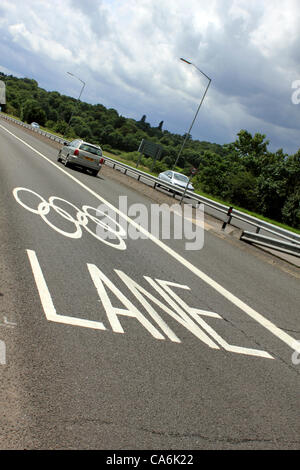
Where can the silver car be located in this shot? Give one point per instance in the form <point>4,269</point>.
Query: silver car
<point>176,179</point>
<point>35,125</point>
<point>82,154</point>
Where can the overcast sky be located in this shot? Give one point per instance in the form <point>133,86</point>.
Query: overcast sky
<point>128,51</point>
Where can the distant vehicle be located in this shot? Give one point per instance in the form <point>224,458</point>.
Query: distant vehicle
<point>35,125</point>
<point>177,179</point>
<point>82,154</point>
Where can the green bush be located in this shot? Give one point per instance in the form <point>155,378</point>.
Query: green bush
<point>107,148</point>
<point>50,124</point>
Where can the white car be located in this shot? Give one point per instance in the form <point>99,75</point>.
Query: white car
<point>176,179</point>
<point>35,125</point>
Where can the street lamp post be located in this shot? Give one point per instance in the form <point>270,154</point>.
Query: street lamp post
<point>188,133</point>
<point>83,85</point>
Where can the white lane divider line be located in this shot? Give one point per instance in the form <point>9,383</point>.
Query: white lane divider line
<point>258,317</point>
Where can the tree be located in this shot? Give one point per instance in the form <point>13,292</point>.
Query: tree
<point>53,115</point>
<point>32,111</point>
<point>251,150</point>
<point>61,127</point>
<point>130,142</point>
<point>121,121</point>
<point>81,128</point>
<point>54,99</point>
<point>142,124</point>
<point>291,208</point>
<point>240,189</point>
<point>66,111</point>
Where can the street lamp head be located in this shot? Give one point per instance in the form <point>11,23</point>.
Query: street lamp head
<point>191,63</point>
<point>184,60</point>
<point>75,76</point>
<point>189,131</point>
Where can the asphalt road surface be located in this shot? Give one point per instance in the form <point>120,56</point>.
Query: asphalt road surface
<point>132,342</point>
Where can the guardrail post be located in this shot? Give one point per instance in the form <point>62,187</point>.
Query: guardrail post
<point>229,214</point>
<point>257,229</point>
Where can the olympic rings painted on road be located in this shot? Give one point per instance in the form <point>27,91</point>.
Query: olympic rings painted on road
<point>104,231</point>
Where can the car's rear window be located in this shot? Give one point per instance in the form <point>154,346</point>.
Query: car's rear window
<point>180,177</point>
<point>91,149</point>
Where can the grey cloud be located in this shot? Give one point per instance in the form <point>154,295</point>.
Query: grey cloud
<point>95,15</point>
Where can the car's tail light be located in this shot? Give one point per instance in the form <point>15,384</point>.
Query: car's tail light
<point>76,152</point>
<point>101,161</point>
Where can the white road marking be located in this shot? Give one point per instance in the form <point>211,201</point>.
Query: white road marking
<point>104,285</point>
<point>81,221</point>
<point>196,314</point>
<point>258,317</point>
<point>99,280</point>
<point>47,303</point>
<point>7,323</point>
<point>94,271</point>
<point>296,357</point>
<point>2,353</point>
<point>177,313</point>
